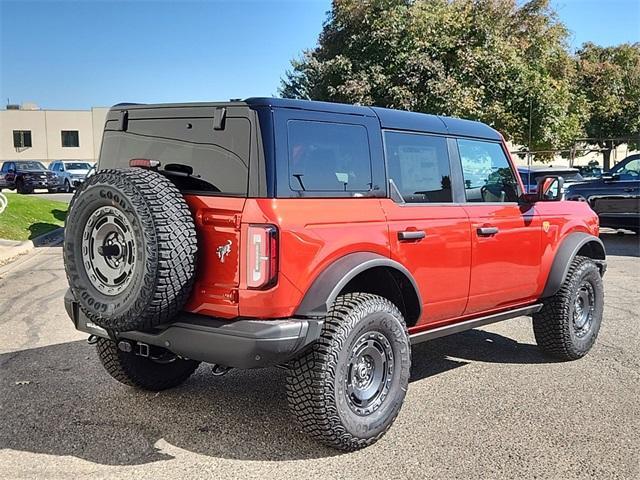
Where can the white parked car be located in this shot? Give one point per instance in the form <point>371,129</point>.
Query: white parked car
<point>74,172</point>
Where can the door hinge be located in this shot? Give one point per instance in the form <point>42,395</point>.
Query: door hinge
<point>233,295</point>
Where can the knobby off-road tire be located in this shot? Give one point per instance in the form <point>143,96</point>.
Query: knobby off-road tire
<point>129,249</point>
<point>142,372</point>
<point>22,189</point>
<point>568,324</point>
<point>327,386</point>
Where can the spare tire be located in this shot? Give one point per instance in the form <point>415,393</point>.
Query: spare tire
<point>129,249</point>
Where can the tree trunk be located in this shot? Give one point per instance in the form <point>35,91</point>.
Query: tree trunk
<point>606,157</point>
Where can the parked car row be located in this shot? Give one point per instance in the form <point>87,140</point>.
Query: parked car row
<point>25,176</point>
<point>613,195</point>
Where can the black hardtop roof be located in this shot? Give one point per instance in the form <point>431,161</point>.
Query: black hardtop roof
<point>389,118</point>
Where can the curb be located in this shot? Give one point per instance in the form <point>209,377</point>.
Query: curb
<point>54,237</point>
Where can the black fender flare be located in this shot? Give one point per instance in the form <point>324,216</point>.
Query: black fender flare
<point>567,251</point>
<point>327,286</point>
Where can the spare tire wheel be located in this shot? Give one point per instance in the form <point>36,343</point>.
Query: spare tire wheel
<point>129,249</point>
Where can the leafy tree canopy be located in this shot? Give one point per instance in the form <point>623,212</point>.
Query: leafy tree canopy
<point>609,79</point>
<point>497,61</point>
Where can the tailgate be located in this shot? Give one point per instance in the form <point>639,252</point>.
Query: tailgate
<point>218,221</point>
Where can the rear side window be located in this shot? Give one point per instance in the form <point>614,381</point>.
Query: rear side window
<point>419,166</point>
<point>328,157</point>
<point>191,153</point>
<point>488,176</point>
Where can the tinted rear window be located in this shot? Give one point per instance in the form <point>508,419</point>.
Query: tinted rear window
<point>219,158</point>
<point>328,157</point>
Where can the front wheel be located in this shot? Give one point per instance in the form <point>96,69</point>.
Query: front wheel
<point>22,189</point>
<point>66,187</point>
<point>158,371</point>
<point>347,390</point>
<point>569,322</point>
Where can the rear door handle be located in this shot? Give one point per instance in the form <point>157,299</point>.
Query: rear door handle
<point>487,231</point>
<point>408,235</point>
<point>629,189</point>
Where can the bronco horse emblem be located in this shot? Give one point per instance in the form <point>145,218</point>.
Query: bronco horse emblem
<point>224,250</point>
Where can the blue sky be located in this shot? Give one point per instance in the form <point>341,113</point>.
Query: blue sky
<point>78,54</point>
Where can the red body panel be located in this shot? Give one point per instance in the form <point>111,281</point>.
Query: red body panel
<point>218,225</point>
<point>459,273</point>
<point>503,265</point>
<point>441,262</point>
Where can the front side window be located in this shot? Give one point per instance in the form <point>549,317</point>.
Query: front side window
<point>22,138</point>
<point>419,167</point>
<point>488,176</point>
<point>70,138</point>
<point>328,157</point>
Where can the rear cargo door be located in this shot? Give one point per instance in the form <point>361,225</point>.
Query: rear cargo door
<point>205,151</point>
<point>218,276</point>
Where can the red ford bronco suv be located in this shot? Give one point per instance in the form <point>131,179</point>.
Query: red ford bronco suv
<point>325,238</point>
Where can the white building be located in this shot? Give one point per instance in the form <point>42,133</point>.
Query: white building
<point>28,133</point>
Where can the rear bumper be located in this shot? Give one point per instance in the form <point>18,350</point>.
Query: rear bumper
<point>239,343</point>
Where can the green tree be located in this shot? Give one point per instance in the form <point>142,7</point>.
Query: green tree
<point>490,60</point>
<point>609,78</point>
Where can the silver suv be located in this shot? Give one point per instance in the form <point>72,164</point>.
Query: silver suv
<point>73,172</point>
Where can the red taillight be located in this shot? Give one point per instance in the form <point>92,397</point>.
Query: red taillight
<point>143,162</point>
<point>262,256</point>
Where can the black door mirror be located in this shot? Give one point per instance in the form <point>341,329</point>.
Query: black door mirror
<point>11,170</point>
<point>550,188</point>
<point>610,177</point>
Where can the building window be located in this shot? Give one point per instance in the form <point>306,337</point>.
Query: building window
<point>70,138</point>
<point>21,138</point>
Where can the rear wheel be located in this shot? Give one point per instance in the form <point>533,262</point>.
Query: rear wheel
<point>569,322</point>
<point>159,371</point>
<point>347,390</point>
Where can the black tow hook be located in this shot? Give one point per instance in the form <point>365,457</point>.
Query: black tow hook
<point>219,370</point>
<point>92,340</point>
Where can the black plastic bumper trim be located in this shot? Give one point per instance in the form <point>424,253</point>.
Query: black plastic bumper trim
<point>238,343</point>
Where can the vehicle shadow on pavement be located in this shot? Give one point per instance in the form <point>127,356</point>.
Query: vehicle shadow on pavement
<point>70,406</point>
<point>58,400</point>
<point>621,244</point>
<point>40,228</point>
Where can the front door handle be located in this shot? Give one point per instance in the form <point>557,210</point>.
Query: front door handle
<point>487,231</point>
<point>409,235</point>
<point>629,189</point>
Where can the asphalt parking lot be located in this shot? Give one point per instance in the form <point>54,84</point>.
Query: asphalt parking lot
<point>481,404</point>
<point>60,197</point>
